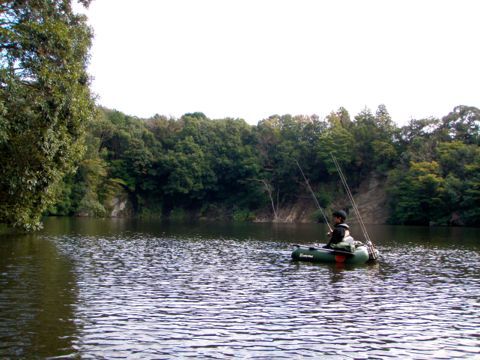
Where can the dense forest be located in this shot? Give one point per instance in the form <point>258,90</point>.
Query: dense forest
<point>228,168</point>
<point>62,155</point>
<point>45,103</point>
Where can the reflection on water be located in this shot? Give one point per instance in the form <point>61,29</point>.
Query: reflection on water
<point>105,289</point>
<point>37,294</point>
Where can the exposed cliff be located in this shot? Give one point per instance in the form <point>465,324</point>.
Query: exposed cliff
<point>370,197</point>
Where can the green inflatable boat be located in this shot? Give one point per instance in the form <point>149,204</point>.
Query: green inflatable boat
<point>314,254</point>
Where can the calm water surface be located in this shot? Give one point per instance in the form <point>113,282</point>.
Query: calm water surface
<point>126,289</point>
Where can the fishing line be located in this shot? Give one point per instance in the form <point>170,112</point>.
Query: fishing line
<point>371,249</point>
<point>314,197</point>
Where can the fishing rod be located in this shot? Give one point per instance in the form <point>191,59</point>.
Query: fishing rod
<point>371,249</point>
<point>314,197</point>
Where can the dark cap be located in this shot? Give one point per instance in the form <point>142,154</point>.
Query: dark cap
<point>341,214</point>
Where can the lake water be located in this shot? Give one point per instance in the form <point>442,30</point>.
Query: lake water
<point>85,288</point>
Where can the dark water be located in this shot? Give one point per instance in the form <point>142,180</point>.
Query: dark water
<point>122,289</point>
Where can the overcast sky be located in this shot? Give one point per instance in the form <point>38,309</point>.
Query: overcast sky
<point>254,58</point>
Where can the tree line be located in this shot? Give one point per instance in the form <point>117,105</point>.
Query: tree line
<point>230,168</point>
<point>62,155</point>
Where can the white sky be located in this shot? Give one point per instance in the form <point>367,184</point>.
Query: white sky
<point>254,58</point>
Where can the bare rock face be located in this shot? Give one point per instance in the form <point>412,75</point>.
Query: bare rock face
<point>370,197</point>
<point>456,220</point>
<point>120,206</point>
<point>299,212</point>
<point>371,200</point>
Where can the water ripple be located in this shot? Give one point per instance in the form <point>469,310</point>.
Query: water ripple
<point>177,297</point>
<point>157,295</point>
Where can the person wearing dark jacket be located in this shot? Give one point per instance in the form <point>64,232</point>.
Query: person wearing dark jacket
<point>340,229</point>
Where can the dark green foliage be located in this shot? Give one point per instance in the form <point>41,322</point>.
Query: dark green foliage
<point>227,168</point>
<point>417,193</point>
<point>438,179</point>
<point>462,124</point>
<point>195,165</point>
<point>44,104</point>
<point>375,145</point>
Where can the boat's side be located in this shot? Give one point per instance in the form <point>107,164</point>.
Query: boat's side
<point>360,256</point>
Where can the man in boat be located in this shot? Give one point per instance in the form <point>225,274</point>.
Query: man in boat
<point>340,229</point>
